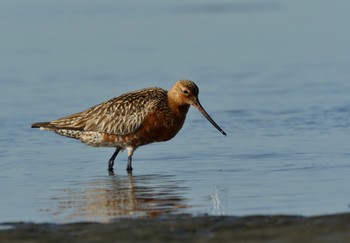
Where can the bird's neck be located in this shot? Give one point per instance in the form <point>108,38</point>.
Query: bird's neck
<point>177,106</point>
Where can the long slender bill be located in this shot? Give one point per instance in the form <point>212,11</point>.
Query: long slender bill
<point>199,107</point>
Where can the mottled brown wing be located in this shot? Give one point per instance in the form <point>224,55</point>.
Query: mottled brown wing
<point>120,115</point>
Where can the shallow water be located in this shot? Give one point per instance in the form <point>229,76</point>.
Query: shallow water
<point>272,75</point>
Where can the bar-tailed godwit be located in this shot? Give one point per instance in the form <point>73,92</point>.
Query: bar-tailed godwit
<point>131,120</point>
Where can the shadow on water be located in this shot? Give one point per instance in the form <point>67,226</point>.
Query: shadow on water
<point>106,198</point>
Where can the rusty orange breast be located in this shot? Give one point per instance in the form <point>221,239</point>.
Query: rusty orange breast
<point>156,127</point>
<point>159,127</point>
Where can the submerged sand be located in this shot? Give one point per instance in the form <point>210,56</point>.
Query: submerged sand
<point>278,228</point>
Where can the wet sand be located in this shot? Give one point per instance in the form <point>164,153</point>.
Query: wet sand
<point>278,228</point>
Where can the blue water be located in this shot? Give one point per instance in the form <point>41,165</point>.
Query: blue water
<point>274,75</point>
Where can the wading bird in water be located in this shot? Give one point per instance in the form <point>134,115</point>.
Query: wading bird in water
<point>131,120</point>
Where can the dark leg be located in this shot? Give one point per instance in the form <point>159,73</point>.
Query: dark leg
<point>130,153</point>
<point>111,160</point>
<point>129,167</point>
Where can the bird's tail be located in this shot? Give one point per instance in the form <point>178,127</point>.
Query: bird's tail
<point>67,132</point>
<point>44,126</point>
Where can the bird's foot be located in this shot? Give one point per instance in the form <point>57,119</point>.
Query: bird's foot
<point>111,172</point>
<point>110,167</point>
<point>129,169</point>
<point>110,164</point>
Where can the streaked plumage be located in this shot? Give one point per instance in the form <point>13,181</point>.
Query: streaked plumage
<point>132,119</point>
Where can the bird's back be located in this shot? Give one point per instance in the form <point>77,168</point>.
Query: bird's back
<point>120,115</point>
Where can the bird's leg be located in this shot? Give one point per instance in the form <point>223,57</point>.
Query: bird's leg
<point>129,167</point>
<point>130,153</point>
<point>111,160</point>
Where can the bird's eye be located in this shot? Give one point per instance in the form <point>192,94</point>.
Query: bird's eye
<point>186,92</point>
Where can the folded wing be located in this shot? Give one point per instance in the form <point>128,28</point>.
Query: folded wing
<point>121,115</point>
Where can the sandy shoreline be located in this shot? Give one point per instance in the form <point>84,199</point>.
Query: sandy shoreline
<point>277,228</point>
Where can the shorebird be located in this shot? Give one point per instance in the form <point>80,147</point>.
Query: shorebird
<point>131,120</point>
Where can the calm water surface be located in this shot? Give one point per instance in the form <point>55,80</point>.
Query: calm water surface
<point>273,75</point>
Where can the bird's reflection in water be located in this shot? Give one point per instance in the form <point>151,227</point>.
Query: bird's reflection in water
<point>107,198</point>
